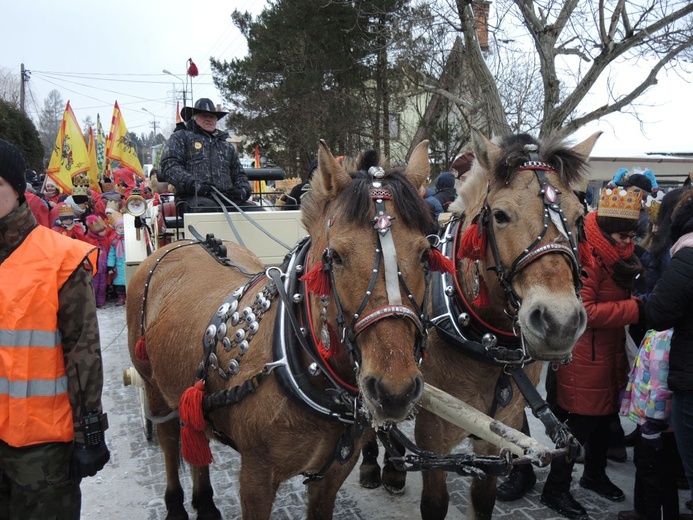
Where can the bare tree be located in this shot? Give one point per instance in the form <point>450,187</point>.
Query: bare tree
<point>49,121</point>
<point>544,57</point>
<point>10,86</point>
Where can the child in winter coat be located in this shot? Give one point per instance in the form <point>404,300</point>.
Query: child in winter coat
<point>116,261</point>
<point>100,235</point>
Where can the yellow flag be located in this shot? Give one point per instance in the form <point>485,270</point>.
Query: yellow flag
<point>93,163</point>
<point>69,156</point>
<point>119,147</point>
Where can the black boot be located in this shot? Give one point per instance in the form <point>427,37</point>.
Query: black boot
<point>563,502</point>
<point>603,487</point>
<point>520,480</point>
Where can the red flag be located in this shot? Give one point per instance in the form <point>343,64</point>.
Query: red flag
<point>257,156</point>
<point>192,68</point>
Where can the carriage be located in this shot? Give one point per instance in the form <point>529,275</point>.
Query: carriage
<point>387,315</point>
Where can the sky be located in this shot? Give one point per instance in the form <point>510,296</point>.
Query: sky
<point>96,53</point>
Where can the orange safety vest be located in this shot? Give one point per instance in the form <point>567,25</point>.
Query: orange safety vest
<point>34,404</point>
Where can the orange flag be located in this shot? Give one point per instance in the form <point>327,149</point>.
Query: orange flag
<point>93,163</point>
<point>70,156</point>
<point>178,118</point>
<point>119,147</point>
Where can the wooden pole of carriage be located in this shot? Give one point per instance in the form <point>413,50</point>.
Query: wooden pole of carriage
<point>469,418</point>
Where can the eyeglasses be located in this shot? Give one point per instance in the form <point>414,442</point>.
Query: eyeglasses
<point>627,236</point>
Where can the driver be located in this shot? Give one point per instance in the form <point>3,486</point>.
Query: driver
<point>199,158</point>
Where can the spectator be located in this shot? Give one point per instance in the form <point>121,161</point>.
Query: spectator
<point>51,193</point>
<point>199,160</point>
<point>66,223</point>
<point>589,388</point>
<point>116,260</point>
<point>100,235</point>
<point>670,305</point>
<point>47,301</point>
<point>294,197</point>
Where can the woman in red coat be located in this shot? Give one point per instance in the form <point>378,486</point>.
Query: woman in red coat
<point>589,388</point>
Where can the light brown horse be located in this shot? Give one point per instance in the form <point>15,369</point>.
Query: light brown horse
<point>514,297</point>
<point>305,366</point>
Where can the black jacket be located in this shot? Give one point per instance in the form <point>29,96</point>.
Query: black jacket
<point>194,154</point>
<point>671,305</point>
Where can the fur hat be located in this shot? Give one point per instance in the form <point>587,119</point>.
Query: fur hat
<point>12,167</point>
<point>620,203</point>
<point>201,105</point>
<point>462,164</point>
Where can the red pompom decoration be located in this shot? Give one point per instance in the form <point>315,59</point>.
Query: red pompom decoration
<point>194,442</point>
<point>317,280</point>
<point>192,69</point>
<point>473,243</point>
<point>141,350</point>
<point>437,261</point>
<point>482,299</point>
<point>334,345</point>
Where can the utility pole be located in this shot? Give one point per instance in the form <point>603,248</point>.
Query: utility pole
<point>22,90</point>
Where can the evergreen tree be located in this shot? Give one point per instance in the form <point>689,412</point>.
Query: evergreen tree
<point>17,128</point>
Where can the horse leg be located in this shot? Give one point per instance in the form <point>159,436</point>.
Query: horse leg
<point>202,498</point>
<point>369,471</point>
<point>430,432</point>
<point>394,479</point>
<point>483,490</point>
<point>258,487</point>
<point>322,494</point>
<point>168,434</point>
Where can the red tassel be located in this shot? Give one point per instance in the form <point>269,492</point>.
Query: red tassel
<point>482,299</point>
<point>437,261</point>
<point>141,350</point>
<point>473,243</point>
<point>194,441</point>
<point>192,68</point>
<point>585,255</point>
<point>317,280</point>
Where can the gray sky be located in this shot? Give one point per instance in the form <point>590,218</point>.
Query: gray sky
<point>97,52</point>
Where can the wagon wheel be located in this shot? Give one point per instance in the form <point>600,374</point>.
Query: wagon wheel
<point>146,423</point>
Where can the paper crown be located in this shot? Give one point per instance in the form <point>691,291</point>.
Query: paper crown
<point>81,185</point>
<point>619,203</point>
<point>653,203</point>
<point>95,223</point>
<point>66,211</point>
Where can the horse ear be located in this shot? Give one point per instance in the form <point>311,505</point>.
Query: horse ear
<point>334,176</point>
<point>419,167</point>
<point>584,149</point>
<point>486,151</point>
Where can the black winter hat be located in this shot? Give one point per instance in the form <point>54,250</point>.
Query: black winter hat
<point>12,167</point>
<point>201,105</point>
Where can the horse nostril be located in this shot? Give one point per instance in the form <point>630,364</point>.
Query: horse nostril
<point>417,385</point>
<point>370,386</point>
<point>537,321</point>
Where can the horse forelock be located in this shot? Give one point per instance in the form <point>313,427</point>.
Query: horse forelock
<point>568,165</point>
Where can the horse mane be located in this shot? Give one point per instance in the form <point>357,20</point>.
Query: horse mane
<point>570,166</point>
<point>355,202</point>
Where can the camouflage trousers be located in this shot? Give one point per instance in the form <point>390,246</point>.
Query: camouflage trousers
<point>35,483</point>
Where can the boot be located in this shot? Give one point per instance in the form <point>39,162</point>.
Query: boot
<point>617,453</point>
<point>520,480</point>
<point>563,503</point>
<point>630,515</point>
<point>603,487</point>
<point>630,438</point>
<point>121,300</point>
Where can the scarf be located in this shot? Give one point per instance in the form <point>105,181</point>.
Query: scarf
<point>14,228</point>
<point>119,242</point>
<point>607,251</point>
<point>684,241</point>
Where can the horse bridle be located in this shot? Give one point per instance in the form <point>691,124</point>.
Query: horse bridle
<point>385,249</point>
<point>551,199</point>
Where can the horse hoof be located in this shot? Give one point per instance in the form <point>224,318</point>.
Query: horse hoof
<point>394,480</point>
<point>369,476</point>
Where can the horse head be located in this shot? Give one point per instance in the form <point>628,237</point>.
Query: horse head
<point>522,227</point>
<point>368,228</point>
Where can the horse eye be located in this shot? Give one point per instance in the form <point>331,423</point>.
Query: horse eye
<point>425,255</point>
<point>501,217</point>
<point>336,259</point>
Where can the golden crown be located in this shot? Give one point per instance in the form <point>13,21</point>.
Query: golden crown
<point>66,211</point>
<point>81,185</point>
<point>620,203</point>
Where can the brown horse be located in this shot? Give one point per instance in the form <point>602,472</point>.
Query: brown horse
<point>514,297</point>
<point>306,365</point>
